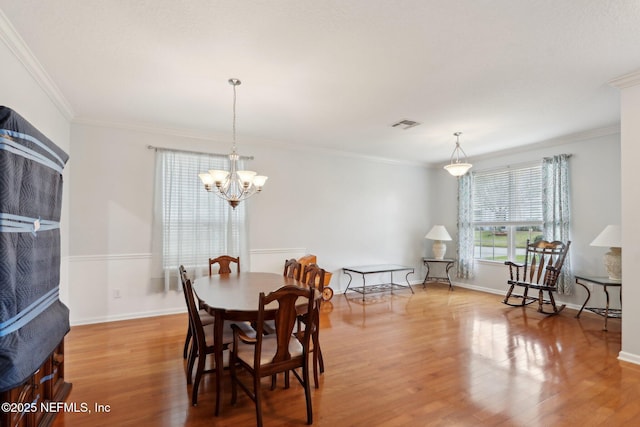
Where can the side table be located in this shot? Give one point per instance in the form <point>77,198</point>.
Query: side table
<point>448,265</point>
<point>606,312</point>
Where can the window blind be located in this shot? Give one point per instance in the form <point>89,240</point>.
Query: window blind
<point>508,196</point>
<point>196,224</point>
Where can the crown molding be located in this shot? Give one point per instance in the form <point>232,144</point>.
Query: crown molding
<point>565,139</point>
<point>628,80</point>
<point>9,35</point>
<point>183,133</point>
<point>148,128</point>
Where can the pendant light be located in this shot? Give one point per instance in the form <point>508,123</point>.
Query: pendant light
<point>455,166</point>
<point>233,185</point>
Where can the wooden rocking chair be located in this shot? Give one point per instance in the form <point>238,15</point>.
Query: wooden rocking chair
<point>541,270</point>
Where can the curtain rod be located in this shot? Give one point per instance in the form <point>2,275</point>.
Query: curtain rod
<point>175,150</point>
<point>518,165</point>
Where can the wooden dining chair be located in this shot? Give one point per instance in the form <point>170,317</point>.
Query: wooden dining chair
<point>540,271</point>
<point>292,268</point>
<point>224,264</point>
<point>202,346</point>
<point>312,276</point>
<point>267,355</point>
<point>205,317</point>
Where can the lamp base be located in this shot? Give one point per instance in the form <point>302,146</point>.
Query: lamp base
<point>439,248</point>
<point>613,263</point>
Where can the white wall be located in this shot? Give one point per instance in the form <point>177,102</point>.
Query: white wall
<point>373,220</point>
<point>345,210</point>
<point>23,92</point>
<point>595,203</point>
<point>630,123</point>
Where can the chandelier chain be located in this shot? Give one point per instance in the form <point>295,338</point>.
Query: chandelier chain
<point>234,116</point>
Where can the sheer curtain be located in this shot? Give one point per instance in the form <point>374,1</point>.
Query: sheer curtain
<point>465,249</point>
<point>192,225</point>
<point>556,210</point>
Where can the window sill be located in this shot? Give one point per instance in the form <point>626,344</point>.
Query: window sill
<point>489,262</point>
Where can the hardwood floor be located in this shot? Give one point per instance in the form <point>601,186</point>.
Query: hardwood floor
<point>436,358</point>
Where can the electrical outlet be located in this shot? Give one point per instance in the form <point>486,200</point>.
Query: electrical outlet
<point>116,293</point>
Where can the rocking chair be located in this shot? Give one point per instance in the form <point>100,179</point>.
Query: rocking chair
<point>541,270</point>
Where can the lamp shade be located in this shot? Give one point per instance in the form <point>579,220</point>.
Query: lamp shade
<point>438,232</point>
<point>458,169</point>
<point>611,237</point>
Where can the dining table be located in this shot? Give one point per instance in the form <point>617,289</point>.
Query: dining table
<point>235,297</point>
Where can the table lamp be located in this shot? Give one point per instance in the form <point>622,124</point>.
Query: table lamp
<point>611,237</point>
<point>438,233</point>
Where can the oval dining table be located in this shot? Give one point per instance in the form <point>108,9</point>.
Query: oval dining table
<point>235,297</point>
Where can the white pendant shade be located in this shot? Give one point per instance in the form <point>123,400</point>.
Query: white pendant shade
<point>455,166</point>
<point>458,169</point>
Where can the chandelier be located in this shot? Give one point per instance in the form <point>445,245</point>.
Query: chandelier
<point>233,185</point>
<point>456,167</point>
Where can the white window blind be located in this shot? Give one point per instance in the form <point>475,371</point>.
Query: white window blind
<point>508,196</point>
<point>194,224</point>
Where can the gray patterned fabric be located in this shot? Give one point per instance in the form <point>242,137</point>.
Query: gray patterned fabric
<point>464,248</point>
<point>32,319</point>
<point>556,211</point>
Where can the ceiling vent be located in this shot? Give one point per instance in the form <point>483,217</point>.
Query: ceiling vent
<point>405,124</point>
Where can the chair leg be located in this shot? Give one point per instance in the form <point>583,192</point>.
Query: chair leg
<point>525,294</point>
<point>307,393</point>
<point>540,302</point>
<point>320,359</point>
<point>186,344</point>
<point>232,371</point>
<point>552,302</point>
<point>257,394</point>
<point>508,295</point>
<point>196,383</point>
<point>193,354</point>
<point>316,381</point>
<point>316,358</point>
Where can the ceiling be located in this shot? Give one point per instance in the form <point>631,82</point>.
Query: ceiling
<point>335,75</point>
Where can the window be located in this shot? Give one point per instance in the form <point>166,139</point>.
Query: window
<point>191,224</point>
<point>507,211</point>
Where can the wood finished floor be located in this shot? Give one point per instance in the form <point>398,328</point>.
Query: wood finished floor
<point>436,358</point>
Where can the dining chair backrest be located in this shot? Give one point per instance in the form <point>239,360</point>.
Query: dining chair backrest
<point>313,275</point>
<point>293,269</point>
<point>287,297</point>
<point>282,351</point>
<point>192,306</point>
<point>224,264</point>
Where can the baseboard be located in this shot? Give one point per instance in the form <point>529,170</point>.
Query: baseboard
<point>128,316</point>
<point>629,357</point>
<point>501,292</point>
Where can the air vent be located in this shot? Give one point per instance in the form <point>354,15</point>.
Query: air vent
<point>405,124</point>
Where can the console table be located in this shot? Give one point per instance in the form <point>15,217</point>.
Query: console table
<point>448,265</point>
<point>374,269</point>
<point>606,312</point>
